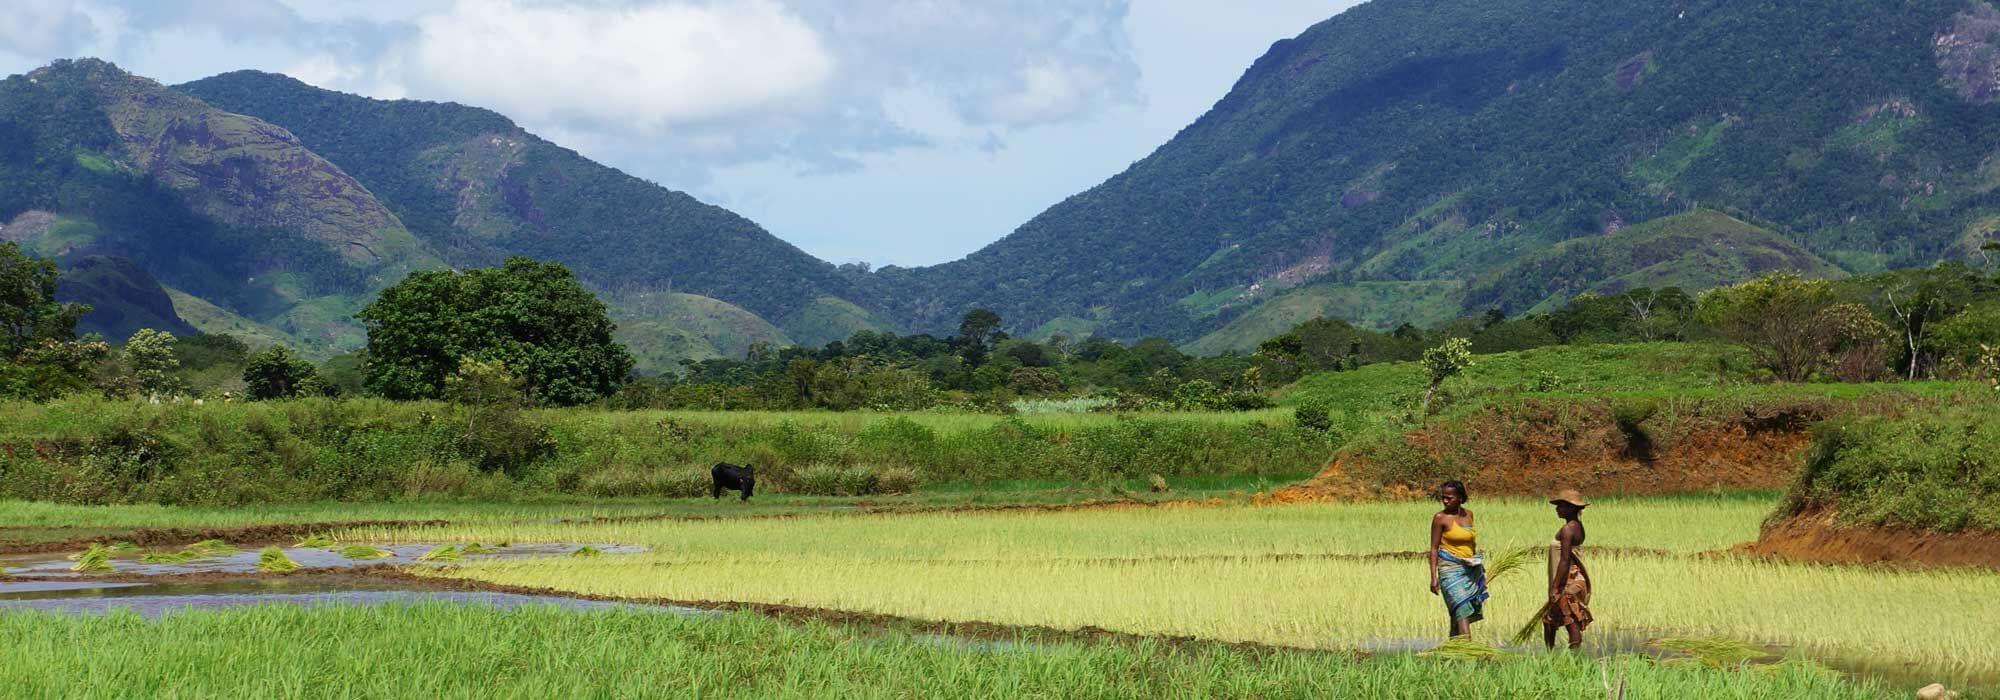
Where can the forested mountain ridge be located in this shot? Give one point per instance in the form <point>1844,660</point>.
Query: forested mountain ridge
<point>477,188</point>
<point>1446,142</point>
<point>290,224</point>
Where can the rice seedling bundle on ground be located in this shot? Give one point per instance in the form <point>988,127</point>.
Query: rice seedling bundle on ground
<point>273,560</point>
<point>94,559</point>
<point>364,551</point>
<point>316,540</point>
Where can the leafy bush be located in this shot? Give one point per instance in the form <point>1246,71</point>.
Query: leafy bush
<point>1937,470</point>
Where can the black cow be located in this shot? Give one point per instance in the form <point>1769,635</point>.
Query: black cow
<point>733,478</point>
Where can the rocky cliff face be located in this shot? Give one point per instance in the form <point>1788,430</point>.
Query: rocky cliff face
<point>236,169</point>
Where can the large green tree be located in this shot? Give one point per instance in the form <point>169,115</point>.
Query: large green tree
<point>533,317</point>
<point>29,312</point>
<point>40,357</point>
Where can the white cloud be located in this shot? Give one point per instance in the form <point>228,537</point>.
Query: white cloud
<point>36,27</point>
<point>641,68</point>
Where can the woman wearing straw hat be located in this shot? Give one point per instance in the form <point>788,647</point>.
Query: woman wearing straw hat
<point>1569,581</point>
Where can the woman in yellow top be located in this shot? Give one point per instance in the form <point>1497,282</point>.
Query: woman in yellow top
<point>1457,573</point>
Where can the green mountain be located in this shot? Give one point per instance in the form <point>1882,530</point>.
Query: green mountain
<point>275,209</point>
<point>475,187</point>
<point>1500,152</point>
<point>123,298</point>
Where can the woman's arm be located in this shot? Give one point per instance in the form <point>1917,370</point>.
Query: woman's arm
<point>1437,538</point>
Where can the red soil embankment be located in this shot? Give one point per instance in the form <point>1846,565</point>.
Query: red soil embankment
<point>1533,448</point>
<point>1816,537</point>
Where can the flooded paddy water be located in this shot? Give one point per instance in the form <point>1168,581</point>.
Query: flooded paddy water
<point>46,582</point>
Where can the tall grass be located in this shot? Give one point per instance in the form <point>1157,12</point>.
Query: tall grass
<point>91,451</point>
<point>432,651</point>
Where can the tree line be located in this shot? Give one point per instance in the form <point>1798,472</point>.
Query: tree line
<point>528,333</point>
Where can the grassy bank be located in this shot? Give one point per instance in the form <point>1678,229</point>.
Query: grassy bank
<point>1937,471</point>
<point>93,451</point>
<point>453,651</point>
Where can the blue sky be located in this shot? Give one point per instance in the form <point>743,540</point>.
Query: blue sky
<point>905,132</point>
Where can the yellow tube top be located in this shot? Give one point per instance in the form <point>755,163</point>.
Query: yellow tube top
<point>1461,542</point>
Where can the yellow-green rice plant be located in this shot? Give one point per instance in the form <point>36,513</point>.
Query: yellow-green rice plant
<point>315,540</point>
<point>95,559</point>
<point>365,551</point>
<point>272,560</point>
<point>443,552</point>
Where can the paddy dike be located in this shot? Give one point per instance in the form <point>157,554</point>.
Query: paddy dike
<point>1818,537</point>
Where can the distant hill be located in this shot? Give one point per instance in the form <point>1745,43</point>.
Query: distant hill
<point>1458,144</point>
<point>122,297</point>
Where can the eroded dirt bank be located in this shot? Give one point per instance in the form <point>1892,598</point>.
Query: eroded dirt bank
<point>1532,448</point>
<point>1816,537</point>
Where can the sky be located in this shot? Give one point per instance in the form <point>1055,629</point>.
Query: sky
<point>905,132</point>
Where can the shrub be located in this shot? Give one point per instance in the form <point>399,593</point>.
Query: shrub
<point>897,480</point>
<point>1314,415</point>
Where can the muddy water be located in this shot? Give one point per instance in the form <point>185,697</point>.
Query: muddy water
<point>156,599</point>
<point>245,560</point>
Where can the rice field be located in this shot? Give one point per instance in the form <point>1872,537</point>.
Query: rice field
<point>1316,576</point>
<point>446,651</point>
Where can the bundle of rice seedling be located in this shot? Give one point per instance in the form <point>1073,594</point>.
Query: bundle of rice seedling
<point>1533,625</point>
<point>474,548</point>
<point>1463,649</point>
<point>443,552</point>
<point>314,540</point>
<point>1510,560</point>
<point>209,548</point>
<point>96,558</point>
<point>587,551</point>
<point>166,558</point>
<point>273,560</point>
<point>123,548</point>
<point>365,551</point>
<point>1718,652</point>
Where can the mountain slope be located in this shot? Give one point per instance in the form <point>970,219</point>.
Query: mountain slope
<point>122,298</point>
<point>97,161</point>
<point>477,187</point>
<point>1448,141</point>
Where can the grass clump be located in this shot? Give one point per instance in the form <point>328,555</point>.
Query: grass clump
<point>365,551</point>
<point>474,548</point>
<point>272,560</point>
<point>587,551</point>
<point>94,559</point>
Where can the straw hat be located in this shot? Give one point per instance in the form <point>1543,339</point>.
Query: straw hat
<point>1571,497</point>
